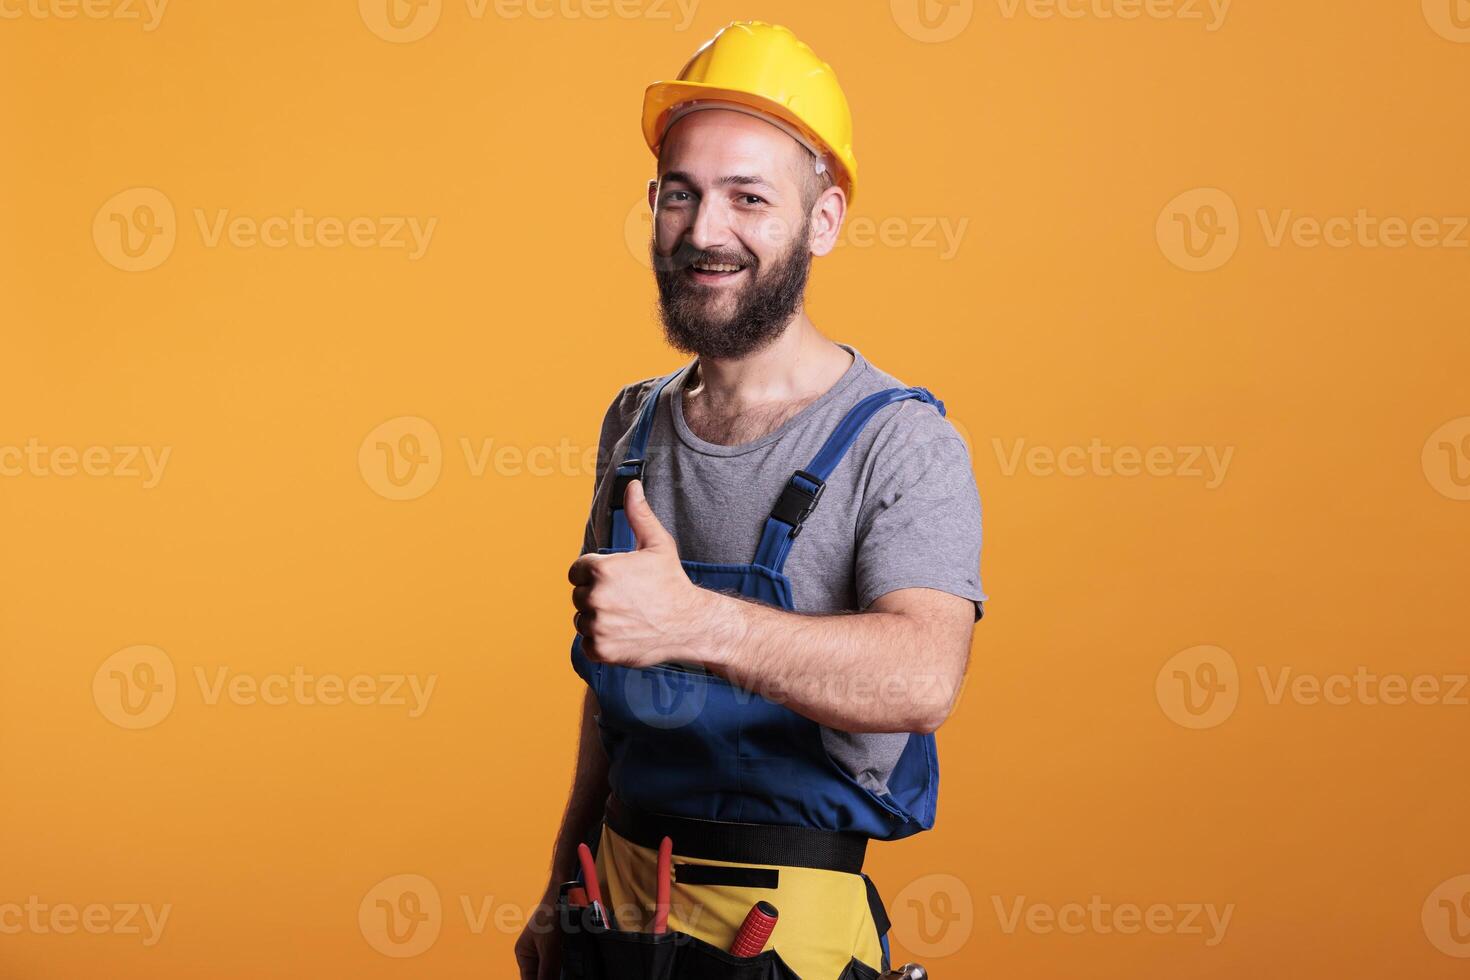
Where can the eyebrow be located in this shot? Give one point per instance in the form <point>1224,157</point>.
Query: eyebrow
<point>734,180</point>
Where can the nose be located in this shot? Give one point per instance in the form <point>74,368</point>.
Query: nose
<point>711,228</point>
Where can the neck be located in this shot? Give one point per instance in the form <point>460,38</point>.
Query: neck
<point>797,364</point>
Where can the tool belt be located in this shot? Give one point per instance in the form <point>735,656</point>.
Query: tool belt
<point>594,948</point>
<point>594,952</point>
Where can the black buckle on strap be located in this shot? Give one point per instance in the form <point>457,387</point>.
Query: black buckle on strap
<point>796,502</point>
<point>621,480</point>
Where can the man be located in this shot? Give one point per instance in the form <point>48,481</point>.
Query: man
<point>773,626</point>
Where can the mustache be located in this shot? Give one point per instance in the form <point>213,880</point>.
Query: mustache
<point>686,255</point>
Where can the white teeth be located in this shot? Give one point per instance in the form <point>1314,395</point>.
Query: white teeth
<point>716,267</point>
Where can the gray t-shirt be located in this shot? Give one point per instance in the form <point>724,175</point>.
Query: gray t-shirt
<point>900,511</point>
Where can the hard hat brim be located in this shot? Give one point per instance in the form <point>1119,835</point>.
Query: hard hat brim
<point>661,97</point>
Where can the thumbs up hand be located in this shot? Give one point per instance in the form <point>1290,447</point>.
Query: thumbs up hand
<point>637,608</point>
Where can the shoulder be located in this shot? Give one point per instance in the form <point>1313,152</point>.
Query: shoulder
<point>910,423</point>
<point>623,411</point>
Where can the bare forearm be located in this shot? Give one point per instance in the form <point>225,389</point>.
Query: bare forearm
<point>587,797</point>
<point>873,671</point>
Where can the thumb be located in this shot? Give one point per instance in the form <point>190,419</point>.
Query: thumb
<point>647,531</point>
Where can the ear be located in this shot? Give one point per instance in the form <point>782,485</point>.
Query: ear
<point>652,193</point>
<point>828,212</point>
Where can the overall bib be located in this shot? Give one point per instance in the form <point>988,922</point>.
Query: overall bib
<point>696,757</point>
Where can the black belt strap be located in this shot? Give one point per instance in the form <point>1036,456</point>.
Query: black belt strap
<point>747,843</point>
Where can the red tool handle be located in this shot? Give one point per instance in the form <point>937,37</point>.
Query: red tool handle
<point>755,930</point>
<point>665,867</point>
<point>589,873</point>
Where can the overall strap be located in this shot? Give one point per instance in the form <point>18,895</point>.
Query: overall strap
<point>800,495</point>
<point>631,468</point>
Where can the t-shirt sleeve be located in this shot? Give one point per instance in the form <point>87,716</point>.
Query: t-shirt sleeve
<point>919,523</point>
<point>616,422</point>
<point>607,436</point>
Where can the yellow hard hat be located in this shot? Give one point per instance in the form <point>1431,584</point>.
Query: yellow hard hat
<point>752,65</point>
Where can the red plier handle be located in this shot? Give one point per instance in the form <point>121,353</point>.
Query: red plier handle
<point>665,876</point>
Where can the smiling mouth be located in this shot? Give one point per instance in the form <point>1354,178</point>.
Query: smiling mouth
<point>712,272</point>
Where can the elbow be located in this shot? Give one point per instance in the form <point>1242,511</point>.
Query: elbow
<point>934,710</point>
<point>928,723</point>
<point>931,715</point>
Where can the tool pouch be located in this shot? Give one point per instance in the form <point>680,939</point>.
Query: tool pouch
<point>594,952</point>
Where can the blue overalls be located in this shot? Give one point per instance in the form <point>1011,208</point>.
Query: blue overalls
<point>692,744</point>
<point>689,744</point>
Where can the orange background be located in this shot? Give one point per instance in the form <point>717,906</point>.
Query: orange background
<point>1334,541</point>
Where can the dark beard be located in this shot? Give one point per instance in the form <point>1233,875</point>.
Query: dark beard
<point>763,307</point>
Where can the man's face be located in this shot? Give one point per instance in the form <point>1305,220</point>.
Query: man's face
<point>731,232</point>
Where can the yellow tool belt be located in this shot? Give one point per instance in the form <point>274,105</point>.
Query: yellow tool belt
<point>826,921</point>
<point>828,927</point>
